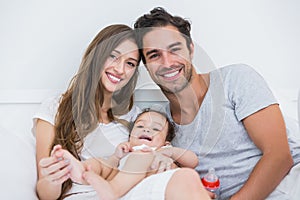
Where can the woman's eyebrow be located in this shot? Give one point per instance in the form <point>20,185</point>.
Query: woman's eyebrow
<point>118,52</point>
<point>133,59</point>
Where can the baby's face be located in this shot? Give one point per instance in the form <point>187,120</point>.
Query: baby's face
<point>151,129</point>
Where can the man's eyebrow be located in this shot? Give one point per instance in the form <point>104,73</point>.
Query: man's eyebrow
<point>169,47</point>
<point>174,44</point>
<point>152,51</point>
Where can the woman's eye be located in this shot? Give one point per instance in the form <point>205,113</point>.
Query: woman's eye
<point>114,57</point>
<point>131,64</point>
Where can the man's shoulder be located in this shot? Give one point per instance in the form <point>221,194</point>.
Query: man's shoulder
<point>235,68</point>
<point>232,72</point>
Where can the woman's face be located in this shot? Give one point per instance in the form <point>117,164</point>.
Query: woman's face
<point>151,129</point>
<point>120,66</point>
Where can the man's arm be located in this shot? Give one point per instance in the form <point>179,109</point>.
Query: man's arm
<point>184,157</point>
<point>267,130</point>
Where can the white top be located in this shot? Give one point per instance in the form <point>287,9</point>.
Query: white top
<point>99,143</point>
<point>102,141</point>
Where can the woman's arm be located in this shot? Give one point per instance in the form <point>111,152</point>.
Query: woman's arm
<point>267,130</point>
<point>52,172</point>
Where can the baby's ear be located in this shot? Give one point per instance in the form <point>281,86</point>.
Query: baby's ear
<point>167,143</point>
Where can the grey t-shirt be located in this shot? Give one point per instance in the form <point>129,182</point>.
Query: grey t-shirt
<point>217,134</point>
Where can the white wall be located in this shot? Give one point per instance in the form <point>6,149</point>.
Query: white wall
<point>41,42</point>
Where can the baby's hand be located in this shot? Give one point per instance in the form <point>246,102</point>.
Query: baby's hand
<point>122,150</point>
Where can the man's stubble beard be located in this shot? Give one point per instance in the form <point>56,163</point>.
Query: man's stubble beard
<point>180,87</point>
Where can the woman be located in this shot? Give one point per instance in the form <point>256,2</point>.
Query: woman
<point>88,120</point>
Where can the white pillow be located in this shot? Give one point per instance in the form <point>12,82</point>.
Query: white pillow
<point>299,108</point>
<point>18,166</point>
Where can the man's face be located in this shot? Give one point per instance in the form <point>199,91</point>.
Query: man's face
<point>168,59</point>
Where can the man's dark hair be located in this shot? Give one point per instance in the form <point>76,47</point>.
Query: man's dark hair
<point>159,17</point>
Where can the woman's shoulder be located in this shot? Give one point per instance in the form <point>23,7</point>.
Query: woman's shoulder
<point>51,103</point>
<point>48,109</point>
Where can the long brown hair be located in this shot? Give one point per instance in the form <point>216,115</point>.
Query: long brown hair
<point>79,109</point>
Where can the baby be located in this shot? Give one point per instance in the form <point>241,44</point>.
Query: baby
<point>150,133</point>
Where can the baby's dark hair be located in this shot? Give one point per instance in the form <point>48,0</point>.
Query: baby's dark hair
<point>171,125</point>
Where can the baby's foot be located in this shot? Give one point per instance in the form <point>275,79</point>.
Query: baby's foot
<point>76,167</point>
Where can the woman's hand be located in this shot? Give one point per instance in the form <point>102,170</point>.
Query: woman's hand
<point>76,167</point>
<point>55,169</point>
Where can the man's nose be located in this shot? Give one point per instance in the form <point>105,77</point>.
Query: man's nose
<point>166,59</point>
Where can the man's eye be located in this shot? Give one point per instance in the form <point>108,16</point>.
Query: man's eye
<point>175,49</point>
<point>153,56</point>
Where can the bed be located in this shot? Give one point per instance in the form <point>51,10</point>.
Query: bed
<point>18,169</point>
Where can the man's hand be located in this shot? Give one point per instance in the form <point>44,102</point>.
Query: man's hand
<point>161,162</point>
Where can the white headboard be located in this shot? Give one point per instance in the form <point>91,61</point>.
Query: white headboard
<point>18,106</point>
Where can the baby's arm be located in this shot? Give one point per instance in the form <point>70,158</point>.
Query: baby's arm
<point>185,158</point>
<point>108,168</point>
<point>133,171</point>
<point>122,150</point>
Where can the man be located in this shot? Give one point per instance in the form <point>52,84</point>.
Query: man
<point>228,117</point>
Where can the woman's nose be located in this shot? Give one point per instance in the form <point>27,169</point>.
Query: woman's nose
<point>119,67</point>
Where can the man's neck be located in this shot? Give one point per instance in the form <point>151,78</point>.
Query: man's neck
<point>184,105</point>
